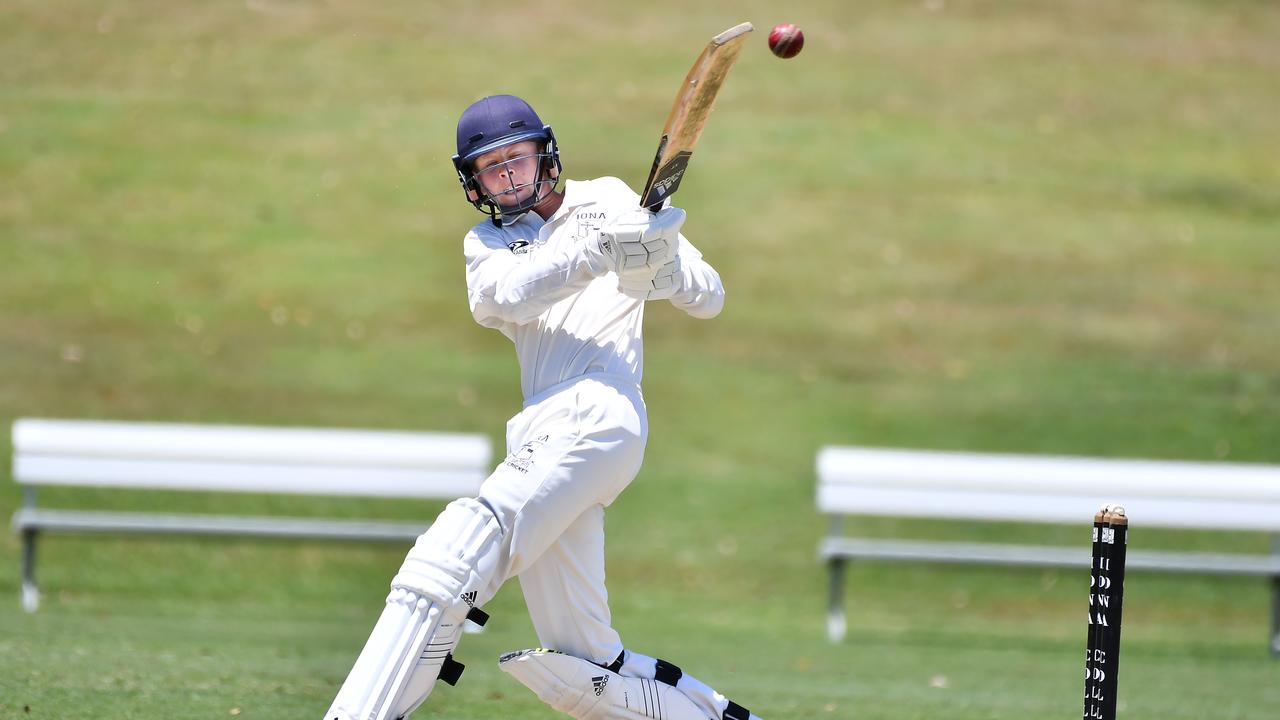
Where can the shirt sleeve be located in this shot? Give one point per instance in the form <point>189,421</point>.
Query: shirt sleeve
<point>505,287</point>
<point>701,292</point>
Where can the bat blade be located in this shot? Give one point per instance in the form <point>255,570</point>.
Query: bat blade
<point>689,114</point>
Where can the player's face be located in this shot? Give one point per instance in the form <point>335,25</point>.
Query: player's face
<point>507,174</point>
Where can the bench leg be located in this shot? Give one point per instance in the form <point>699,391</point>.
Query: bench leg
<point>30,593</point>
<point>836,625</point>
<point>1275,616</point>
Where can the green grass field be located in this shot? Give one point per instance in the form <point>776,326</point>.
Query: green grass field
<point>1048,227</point>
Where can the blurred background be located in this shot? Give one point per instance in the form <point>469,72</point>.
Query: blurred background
<point>1041,227</point>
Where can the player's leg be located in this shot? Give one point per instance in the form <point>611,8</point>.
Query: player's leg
<point>572,452</point>
<point>451,566</point>
<point>565,593</point>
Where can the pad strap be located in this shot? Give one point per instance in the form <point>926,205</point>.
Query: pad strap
<point>616,665</point>
<point>667,673</point>
<point>451,670</point>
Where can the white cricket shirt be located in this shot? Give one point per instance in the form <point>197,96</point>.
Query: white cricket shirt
<point>567,319</point>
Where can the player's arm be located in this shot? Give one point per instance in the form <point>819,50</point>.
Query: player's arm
<point>506,287</point>
<point>688,282</point>
<point>701,293</point>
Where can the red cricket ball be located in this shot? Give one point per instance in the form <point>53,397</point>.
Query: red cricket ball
<point>786,40</point>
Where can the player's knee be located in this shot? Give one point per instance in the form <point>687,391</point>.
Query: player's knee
<point>457,557</point>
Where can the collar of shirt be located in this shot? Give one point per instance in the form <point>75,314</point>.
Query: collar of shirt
<point>576,194</point>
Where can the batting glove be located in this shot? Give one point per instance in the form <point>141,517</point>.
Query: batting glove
<point>658,284</point>
<point>637,241</point>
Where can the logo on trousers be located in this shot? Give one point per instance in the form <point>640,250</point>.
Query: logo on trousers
<point>522,459</point>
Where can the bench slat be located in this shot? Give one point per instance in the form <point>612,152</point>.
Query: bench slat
<point>962,503</point>
<point>151,523</point>
<point>317,446</point>
<point>1044,556</point>
<point>363,481</point>
<point>1034,474</point>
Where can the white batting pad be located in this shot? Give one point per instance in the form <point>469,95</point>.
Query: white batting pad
<point>442,577</point>
<point>425,672</point>
<point>711,702</point>
<point>587,691</point>
<point>380,670</point>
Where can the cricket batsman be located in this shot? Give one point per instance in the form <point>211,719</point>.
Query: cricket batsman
<point>565,274</point>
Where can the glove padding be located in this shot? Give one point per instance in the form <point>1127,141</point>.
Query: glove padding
<point>637,240</point>
<point>652,284</point>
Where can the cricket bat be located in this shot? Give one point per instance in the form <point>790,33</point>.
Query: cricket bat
<point>689,114</point>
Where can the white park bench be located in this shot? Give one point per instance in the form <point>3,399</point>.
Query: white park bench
<point>227,458</point>
<point>1011,488</point>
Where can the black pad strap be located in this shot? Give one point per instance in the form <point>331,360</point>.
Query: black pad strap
<point>451,670</point>
<point>667,673</point>
<point>478,616</point>
<point>616,665</point>
<point>736,712</point>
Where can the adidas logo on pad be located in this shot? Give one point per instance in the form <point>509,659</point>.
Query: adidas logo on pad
<point>469,598</point>
<point>599,682</point>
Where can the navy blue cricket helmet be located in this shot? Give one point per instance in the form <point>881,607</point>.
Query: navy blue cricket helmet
<point>492,123</point>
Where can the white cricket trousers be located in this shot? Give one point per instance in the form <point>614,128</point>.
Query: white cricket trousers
<point>571,451</point>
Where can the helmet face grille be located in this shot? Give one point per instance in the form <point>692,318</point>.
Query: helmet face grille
<point>498,188</point>
<point>545,180</point>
